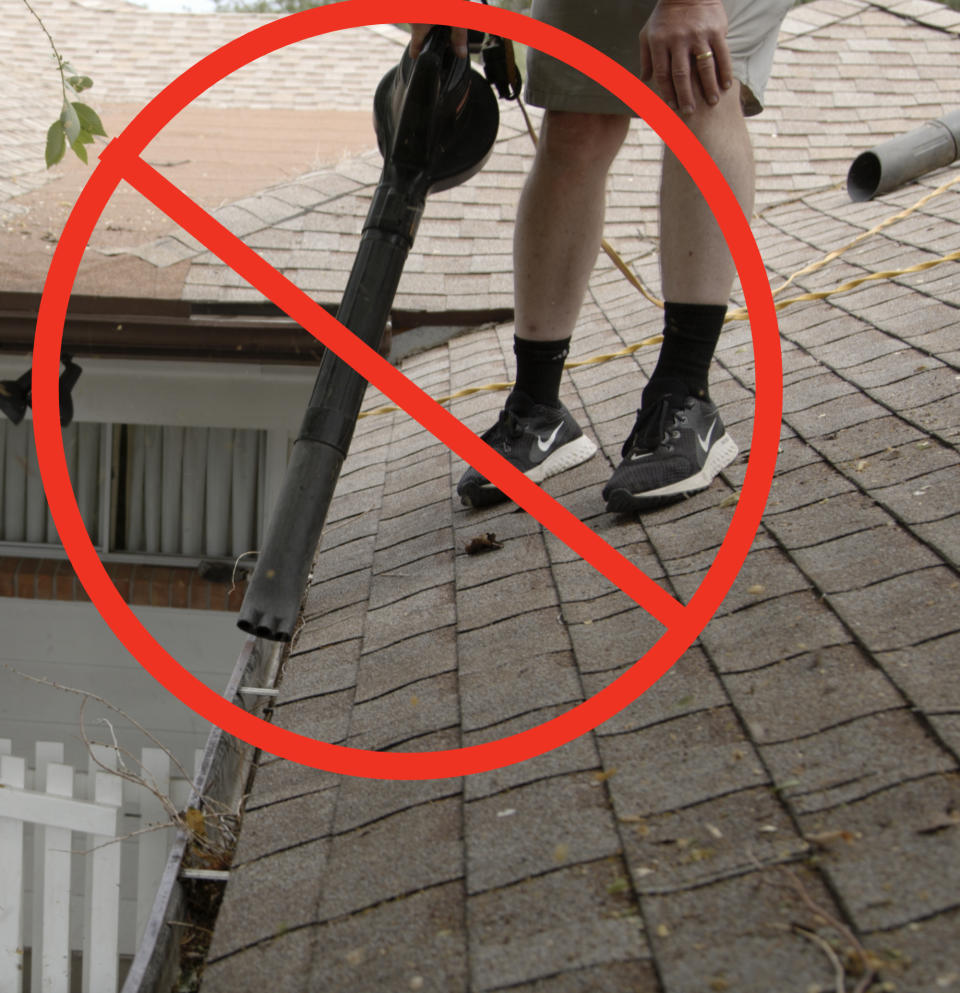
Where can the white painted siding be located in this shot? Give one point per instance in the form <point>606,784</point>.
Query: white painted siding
<point>70,644</point>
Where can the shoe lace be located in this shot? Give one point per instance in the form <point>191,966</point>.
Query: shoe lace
<point>508,425</point>
<point>653,425</point>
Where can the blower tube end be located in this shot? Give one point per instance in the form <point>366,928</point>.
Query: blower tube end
<point>899,160</point>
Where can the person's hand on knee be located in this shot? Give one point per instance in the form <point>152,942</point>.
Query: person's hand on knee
<point>683,49</point>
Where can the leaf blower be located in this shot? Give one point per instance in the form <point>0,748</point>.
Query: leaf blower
<point>436,119</point>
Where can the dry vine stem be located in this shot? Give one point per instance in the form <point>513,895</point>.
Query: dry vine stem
<point>236,566</point>
<point>862,954</point>
<point>177,818</point>
<point>840,977</point>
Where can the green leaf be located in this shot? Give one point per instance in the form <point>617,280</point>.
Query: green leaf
<point>71,122</point>
<point>88,119</point>
<point>56,143</point>
<point>84,138</point>
<point>79,83</point>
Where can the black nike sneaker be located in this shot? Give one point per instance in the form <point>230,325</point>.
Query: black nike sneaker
<point>676,448</point>
<point>538,439</point>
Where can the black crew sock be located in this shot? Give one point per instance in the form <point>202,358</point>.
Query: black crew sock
<point>690,335</point>
<point>540,368</point>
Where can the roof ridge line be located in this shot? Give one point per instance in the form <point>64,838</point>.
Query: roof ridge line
<point>295,211</point>
<point>888,7</point>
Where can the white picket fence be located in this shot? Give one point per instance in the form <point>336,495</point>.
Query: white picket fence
<point>69,816</point>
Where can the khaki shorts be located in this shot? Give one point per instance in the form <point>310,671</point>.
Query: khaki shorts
<point>753,26</point>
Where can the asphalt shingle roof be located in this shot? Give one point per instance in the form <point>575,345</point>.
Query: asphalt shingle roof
<point>812,729</point>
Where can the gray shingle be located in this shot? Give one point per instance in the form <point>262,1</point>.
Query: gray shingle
<point>535,829</point>
<point>853,760</point>
<point>915,821</point>
<point>578,915</point>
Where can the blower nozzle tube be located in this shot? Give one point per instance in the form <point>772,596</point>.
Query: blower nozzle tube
<point>891,163</point>
<point>436,124</point>
<point>272,601</point>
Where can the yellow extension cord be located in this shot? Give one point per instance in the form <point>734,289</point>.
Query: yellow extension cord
<point>740,313</point>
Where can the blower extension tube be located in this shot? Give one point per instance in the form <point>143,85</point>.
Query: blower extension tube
<point>891,163</point>
<point>436,120</point>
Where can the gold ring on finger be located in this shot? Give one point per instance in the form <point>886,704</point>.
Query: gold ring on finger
<point>699,56</point>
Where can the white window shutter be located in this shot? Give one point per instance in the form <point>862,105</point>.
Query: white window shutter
<point>152,496</point>
<point>217,497</point>
<point>89,478</point>
<point>136,463</point>
<point>172,475</point>
<point>244,491</point>
<point>194,490</point>
<point>36,507</point>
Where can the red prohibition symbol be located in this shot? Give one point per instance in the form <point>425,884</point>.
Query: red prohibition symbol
<point>683,623</point>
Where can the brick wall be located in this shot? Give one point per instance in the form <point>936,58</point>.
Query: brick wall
<point>139,585</point>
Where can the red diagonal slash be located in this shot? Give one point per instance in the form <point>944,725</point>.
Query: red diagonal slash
<point>172,201</point>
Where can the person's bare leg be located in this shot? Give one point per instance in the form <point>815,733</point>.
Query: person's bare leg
<point>560,220</point>
<point>557,237</point>
<point>678,444</point>
<point>696,266</point>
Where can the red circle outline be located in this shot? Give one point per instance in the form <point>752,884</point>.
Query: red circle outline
<point>688,621</point>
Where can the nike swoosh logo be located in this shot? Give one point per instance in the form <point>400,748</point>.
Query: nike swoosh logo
<point>544,446</point>
<point>705,444</point>
<point>640,455</point>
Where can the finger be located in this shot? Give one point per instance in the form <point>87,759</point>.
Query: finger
<point>682,74</point>
<point>458,38</point>
<point>418,32</point>
<point>646,60</point>
<point>724,63</point>
<point>705,65</point>
<point>663,77</point>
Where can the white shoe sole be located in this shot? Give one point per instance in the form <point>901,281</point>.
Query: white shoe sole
<point>718,458</point>
<point>567,456</point>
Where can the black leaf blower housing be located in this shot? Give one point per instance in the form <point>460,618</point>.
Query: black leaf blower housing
<point>435,116</point>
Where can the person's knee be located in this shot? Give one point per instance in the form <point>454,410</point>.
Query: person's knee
<point>583,141</point>
<point>725,118</point>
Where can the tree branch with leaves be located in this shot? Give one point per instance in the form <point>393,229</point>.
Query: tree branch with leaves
<point>78,123</point>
